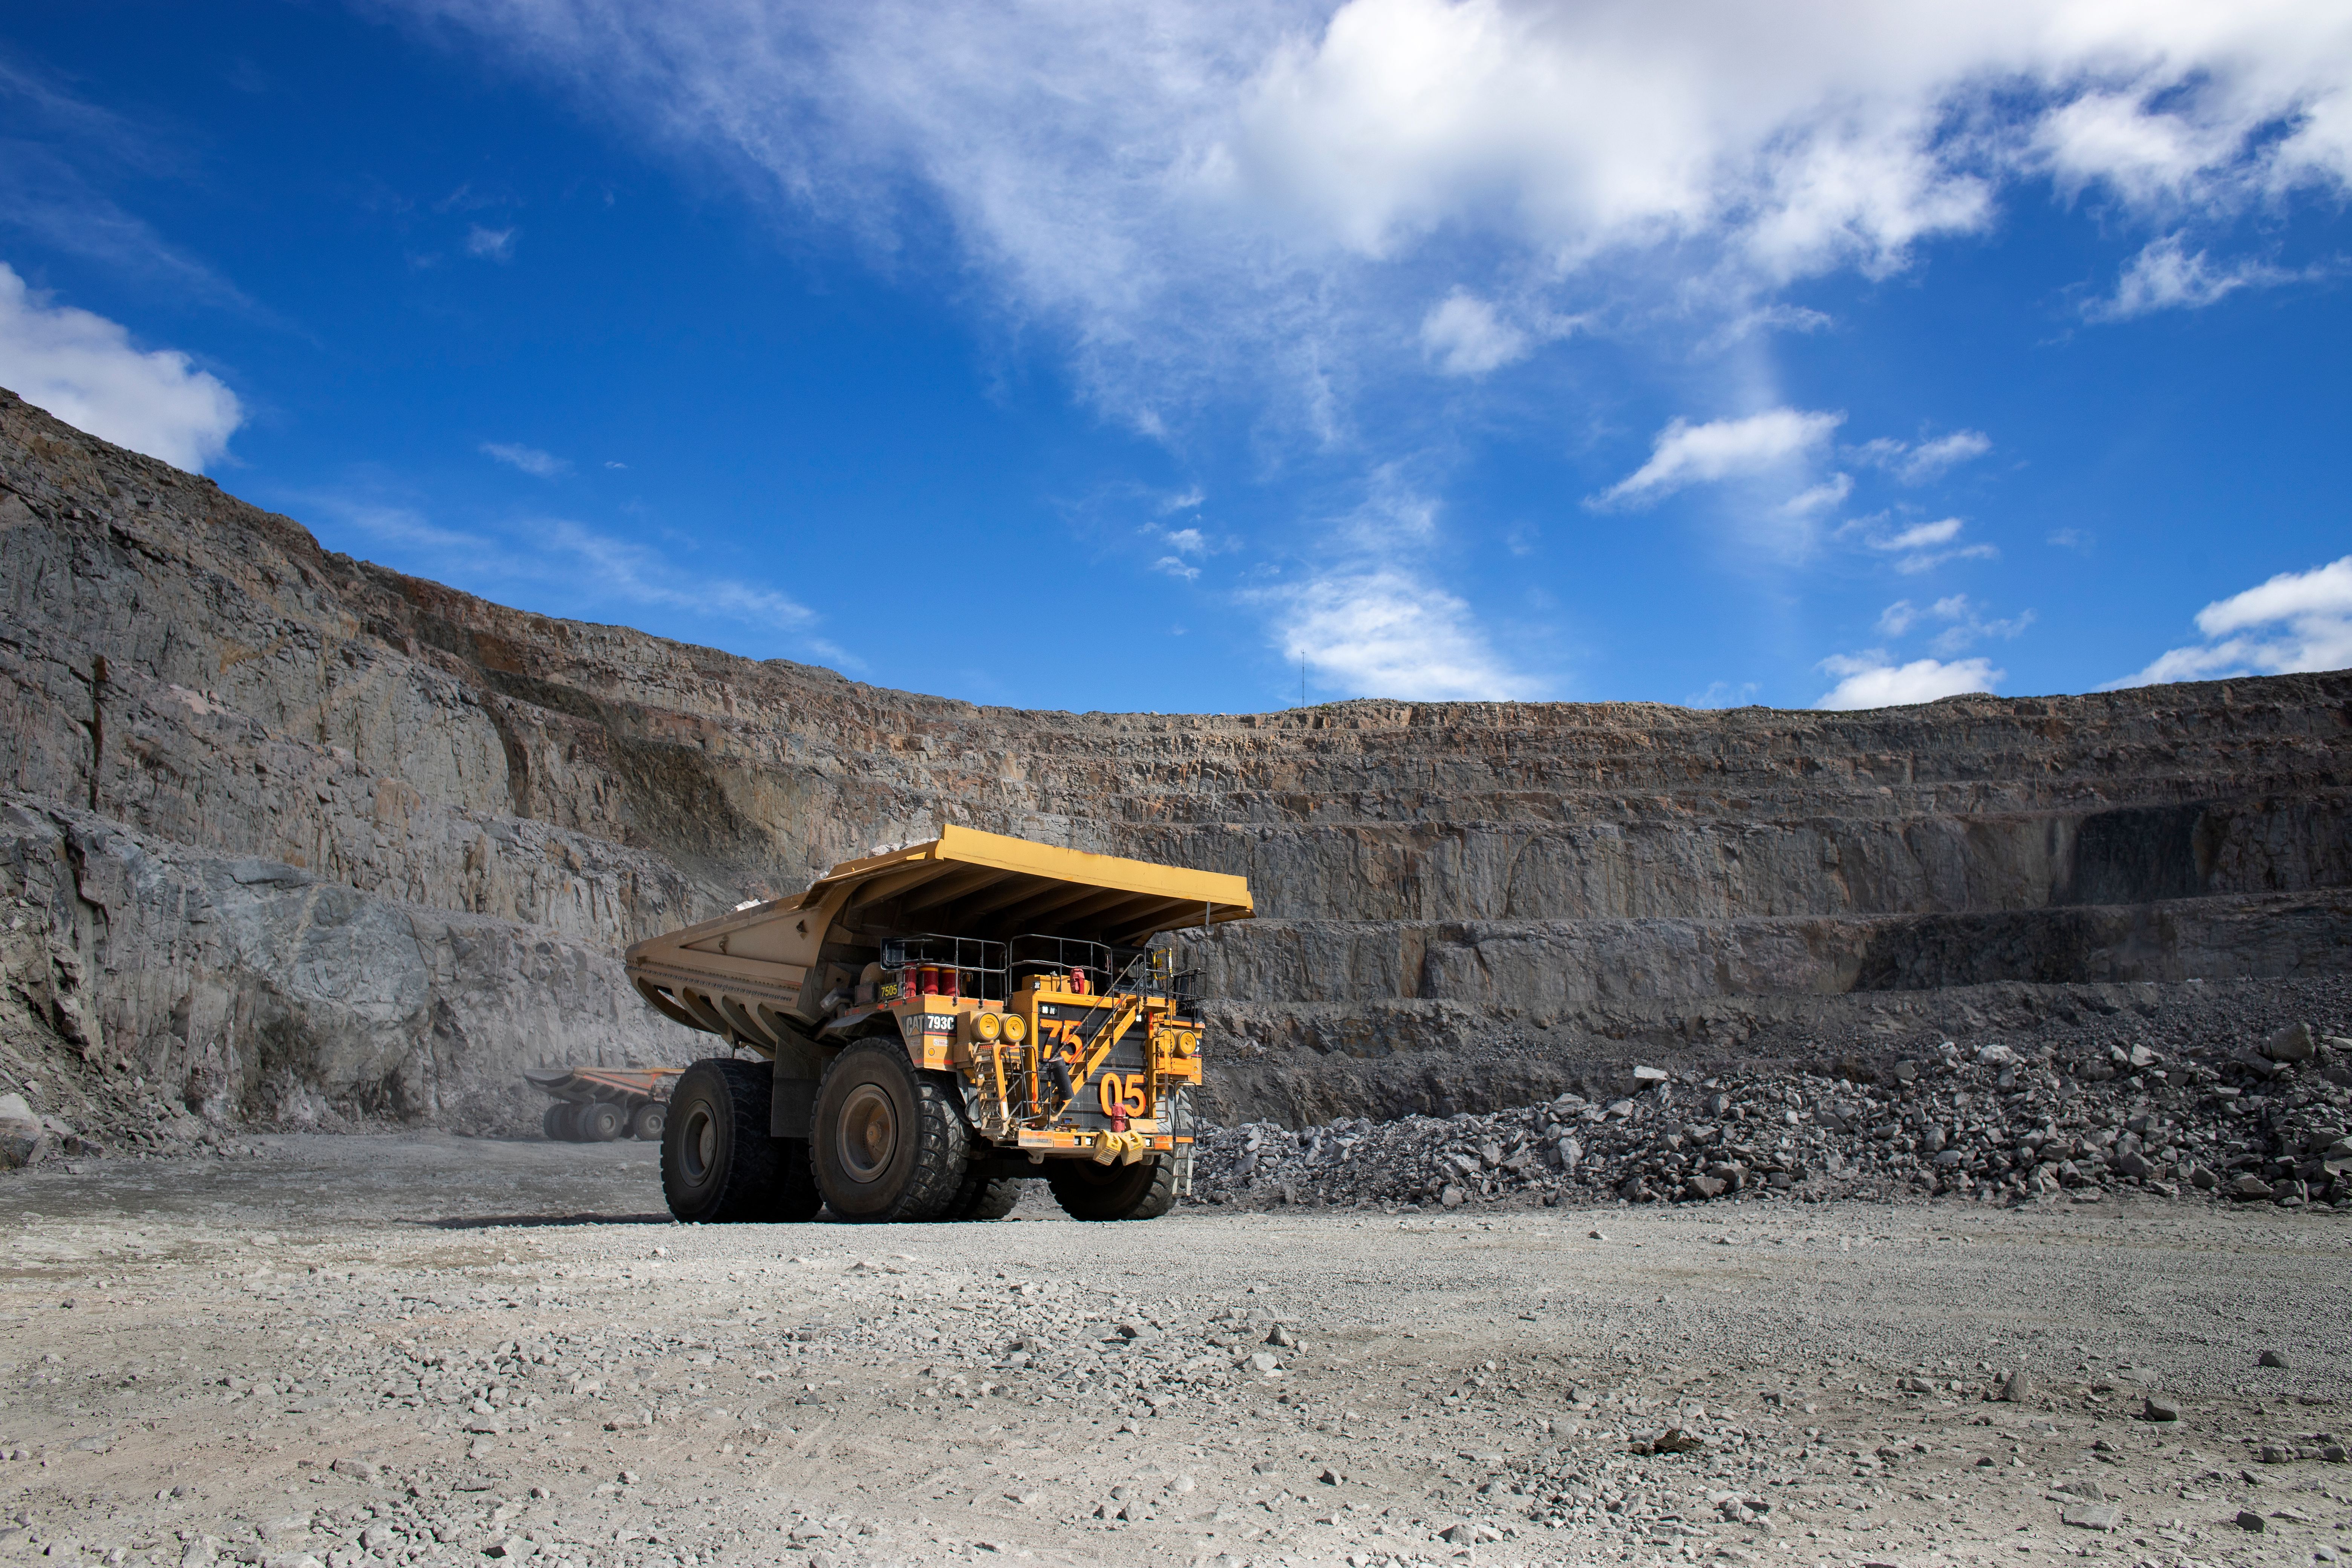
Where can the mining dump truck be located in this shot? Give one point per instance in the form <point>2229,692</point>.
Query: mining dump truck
<point>596,1105</point>
<point>933,1024</point>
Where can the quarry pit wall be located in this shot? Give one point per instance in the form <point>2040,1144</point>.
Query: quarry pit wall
<point>289,838</point>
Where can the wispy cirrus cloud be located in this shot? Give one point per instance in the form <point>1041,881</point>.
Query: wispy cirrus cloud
<point>1684,453</point>
<point>530,461</point>
<point>1916,462</point>
<point>1185,187</point>
<point>1960,623</point>
<point>1826,496</point>
<point>562,566</point>
<point>490,244</point>
<point>1919,546</point>
<point>2168,276</point>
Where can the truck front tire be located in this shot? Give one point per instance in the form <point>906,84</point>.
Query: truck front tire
<point>720,1166</point>
<point>888,1143</point>
<point>1145,1190</point>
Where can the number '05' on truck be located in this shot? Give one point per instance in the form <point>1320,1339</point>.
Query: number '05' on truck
<point>936,1023</point>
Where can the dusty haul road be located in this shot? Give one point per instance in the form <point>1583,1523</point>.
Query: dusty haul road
<point>425,1350</point>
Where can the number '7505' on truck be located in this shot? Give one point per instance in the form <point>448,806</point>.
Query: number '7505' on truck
<point>935,1023</point>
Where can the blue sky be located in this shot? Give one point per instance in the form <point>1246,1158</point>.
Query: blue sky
<point>1150,357</point>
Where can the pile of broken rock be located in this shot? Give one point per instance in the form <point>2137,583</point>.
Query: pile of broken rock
<point>27,1138</point>
<point>1998,1123</point>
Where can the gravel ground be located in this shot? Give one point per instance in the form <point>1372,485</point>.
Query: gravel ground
<point>361,1350</point>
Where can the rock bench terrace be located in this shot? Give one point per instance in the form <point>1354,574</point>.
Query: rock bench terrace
<point>291,840</point>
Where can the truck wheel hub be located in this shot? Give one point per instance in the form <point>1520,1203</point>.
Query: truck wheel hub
<point>870,1132</point>
<point>701,1141</point>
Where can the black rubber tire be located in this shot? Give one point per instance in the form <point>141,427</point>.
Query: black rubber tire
<point>648,1120</point>
<point>888,1144</point>
<point>718,1164</point>
<point>1145,1190</point>
<point>556,1123</point>
<point>600,1122</point>
<point>984,1197</point>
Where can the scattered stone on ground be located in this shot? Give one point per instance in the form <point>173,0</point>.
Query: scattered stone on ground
<point>2081,1110</point>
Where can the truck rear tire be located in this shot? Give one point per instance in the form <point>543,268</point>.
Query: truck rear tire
<point>718,1164</point>
<point>985,1196</point>
<point>1145,1190</point>
<point>556,1123</point>
<point>647,1121</point>
<point>888,1144</point>
<point>599,1121</point>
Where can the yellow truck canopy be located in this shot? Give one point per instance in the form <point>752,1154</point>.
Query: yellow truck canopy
<point>723,973</point>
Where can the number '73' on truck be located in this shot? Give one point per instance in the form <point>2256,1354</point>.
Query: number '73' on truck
<point>934,1023</point>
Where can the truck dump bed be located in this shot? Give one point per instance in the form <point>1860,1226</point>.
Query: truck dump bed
<point>759,976</point>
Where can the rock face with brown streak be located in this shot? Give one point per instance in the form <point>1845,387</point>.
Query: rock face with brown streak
<point>292,837</point>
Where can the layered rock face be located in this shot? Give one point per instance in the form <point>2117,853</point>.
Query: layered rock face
<point>292,837</point>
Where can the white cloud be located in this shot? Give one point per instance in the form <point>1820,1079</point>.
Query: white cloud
<point>1921,535</point>
<point>1264,189</point>
<point>1687,454</point>
<point>1830,492</point>
<point>1176,566</point>
<point>2297,620</point>
<point>538,465</point>
<point>1467,338</point>
<point>1921,547</point>
<point>1388,633</point>
<point>1373,617</point>
<point>2168,276</point>
<point>490,244</point>
<point>85,370</point>
<point>1917,464</point>
<point>1871,679</point>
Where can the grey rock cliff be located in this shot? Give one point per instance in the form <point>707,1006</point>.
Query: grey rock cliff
<point>293,839</point>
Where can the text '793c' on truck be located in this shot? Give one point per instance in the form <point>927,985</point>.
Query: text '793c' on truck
<point>938,1022</point>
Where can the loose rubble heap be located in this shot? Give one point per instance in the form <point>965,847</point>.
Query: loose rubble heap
<point>2000,1123</point>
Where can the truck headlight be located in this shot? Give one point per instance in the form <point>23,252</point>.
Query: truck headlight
<point>989,1026</point>
<point>1016,1027</point>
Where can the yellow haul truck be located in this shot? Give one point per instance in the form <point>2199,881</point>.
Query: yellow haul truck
<point>938,1022</point>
